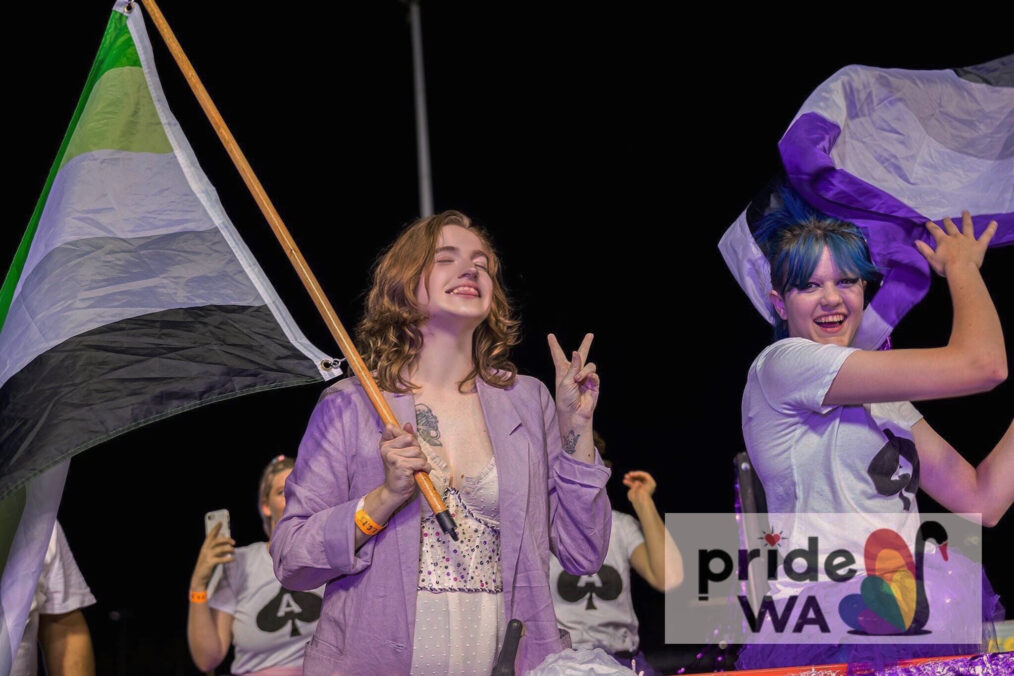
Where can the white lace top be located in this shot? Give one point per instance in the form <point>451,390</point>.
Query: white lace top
<point>459,620</point>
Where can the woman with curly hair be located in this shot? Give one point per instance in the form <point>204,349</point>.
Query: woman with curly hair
<point>518,471</point>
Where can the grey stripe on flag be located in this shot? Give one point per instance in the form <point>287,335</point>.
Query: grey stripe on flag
<point>84,284</point>
<point>925,160</point>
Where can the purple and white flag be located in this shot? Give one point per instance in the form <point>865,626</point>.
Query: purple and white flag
<point>889,149</point>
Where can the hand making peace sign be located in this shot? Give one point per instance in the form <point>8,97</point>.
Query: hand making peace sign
<point>577,383</point>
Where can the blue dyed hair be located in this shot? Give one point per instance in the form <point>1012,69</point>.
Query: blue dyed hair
<point>793,237</point>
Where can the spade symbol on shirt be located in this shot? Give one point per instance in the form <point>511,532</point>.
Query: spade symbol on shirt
<point>606,584</point>
<point>289,606</point>
<point>889,474</point>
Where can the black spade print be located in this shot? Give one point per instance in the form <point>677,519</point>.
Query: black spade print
<point>888,476</point>
<point>289,606</point>
<point>606,584</point>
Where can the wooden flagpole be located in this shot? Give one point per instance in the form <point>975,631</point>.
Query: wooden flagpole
<point>306,275</point>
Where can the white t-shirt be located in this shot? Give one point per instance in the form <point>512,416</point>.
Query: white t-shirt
<point>813,458</point>
<point>61,589</point>
<point>597,609</point>
<point>271,624</point>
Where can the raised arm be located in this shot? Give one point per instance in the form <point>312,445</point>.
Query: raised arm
<point>657,560</point>
<point>952,481</point>
<point>974,359</point>
<point>209,631</point>
<point>577,393</point>
<point>580,516</point>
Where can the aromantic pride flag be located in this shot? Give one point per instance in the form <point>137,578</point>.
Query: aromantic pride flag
<point>889,149</point>
<point>130,299</point>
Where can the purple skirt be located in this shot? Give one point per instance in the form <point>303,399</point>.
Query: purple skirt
<point>760,656</point>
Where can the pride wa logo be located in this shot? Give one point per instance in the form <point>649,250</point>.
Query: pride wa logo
<point>892,596</point>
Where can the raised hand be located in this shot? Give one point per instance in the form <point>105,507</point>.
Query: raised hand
<point>214,551</point>
<point>955,246</point>
<point>577,383</point>
<point>641,485</point>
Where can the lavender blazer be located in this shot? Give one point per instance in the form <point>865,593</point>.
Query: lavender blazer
<point>548,500</point>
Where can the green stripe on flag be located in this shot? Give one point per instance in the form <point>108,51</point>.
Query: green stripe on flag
<point>116,51</point>
<point>11,508</point>
<point>119,115</point>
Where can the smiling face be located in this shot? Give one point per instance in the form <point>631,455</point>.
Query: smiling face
<point>455,287</point>
<point>829,307</point>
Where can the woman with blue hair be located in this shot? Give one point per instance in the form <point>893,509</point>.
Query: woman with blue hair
<point>829,427</point>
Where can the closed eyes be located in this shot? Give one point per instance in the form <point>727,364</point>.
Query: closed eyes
<point>481,264</point>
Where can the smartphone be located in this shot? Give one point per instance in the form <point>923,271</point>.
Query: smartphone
<point>218,516</point>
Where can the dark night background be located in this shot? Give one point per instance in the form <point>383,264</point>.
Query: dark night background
<point>605,147</point>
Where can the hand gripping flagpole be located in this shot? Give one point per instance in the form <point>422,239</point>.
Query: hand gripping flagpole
<point>306,275</point>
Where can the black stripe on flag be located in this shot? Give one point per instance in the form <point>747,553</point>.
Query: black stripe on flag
<point>120,376</point>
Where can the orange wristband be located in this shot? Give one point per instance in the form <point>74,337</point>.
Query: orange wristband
<point>366,524</point>
<point>363,520</point>
<point>198,597</point>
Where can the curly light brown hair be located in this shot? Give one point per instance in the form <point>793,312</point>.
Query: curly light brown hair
<point>390,336</point>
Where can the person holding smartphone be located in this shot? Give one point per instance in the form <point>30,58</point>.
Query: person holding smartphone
<point>248,608</point>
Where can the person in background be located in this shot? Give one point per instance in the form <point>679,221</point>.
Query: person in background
<point>268,624</point>
<point>597,610</point>
<point>55,621</point>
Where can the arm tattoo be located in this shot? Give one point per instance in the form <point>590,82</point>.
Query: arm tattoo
<point>427,425</point>
<point>570,442</point>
